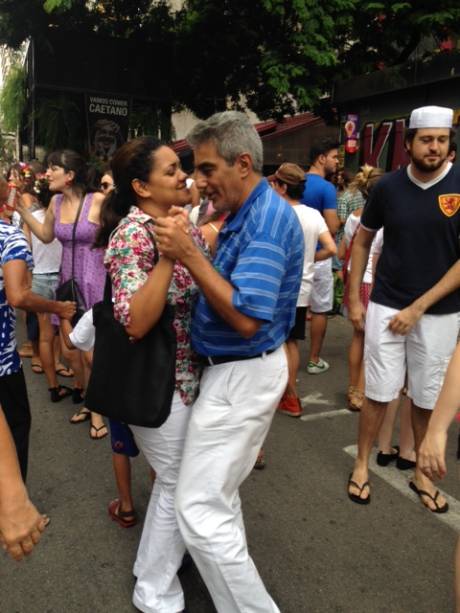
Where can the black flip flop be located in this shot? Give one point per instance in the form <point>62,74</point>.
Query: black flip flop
<point>56,396</point>
<point>434,498</point>
<point>97,438</point>
<point>357,497</point>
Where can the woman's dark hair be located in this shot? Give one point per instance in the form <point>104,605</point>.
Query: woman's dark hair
<point>71,161</point>
<point>133,160</point>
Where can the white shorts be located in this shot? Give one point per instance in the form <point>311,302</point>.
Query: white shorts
<point>322,293</point>
<point>424,353</point>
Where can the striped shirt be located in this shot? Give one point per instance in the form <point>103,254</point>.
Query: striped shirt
<point>260,252</point>
<point>13,246</point>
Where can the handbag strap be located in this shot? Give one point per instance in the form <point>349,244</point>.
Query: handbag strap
<point>108,281</point>
<point>74,231</point>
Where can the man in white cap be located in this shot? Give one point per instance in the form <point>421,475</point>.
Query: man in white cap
<point>412,319</point>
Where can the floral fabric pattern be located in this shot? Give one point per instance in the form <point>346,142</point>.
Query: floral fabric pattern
<point>129,259</point>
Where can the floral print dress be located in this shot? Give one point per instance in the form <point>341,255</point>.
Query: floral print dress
<point>129,258</point>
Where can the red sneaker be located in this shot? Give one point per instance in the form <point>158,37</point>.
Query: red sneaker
<point>290,405</point>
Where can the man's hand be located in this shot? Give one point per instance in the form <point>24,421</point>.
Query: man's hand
<point>357,315</point>
<point>431,457</point>
<point>405,319</point>
<point>21,527</point>
<point>173,239</point>
<point>66,310</point>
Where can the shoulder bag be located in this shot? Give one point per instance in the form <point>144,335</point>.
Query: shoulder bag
<point>69,290</point>
<point>132,381</point>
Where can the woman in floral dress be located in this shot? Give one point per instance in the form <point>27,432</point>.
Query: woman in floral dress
<point>149,181</point>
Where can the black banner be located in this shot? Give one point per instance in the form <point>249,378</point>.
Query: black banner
<point>107,119</point>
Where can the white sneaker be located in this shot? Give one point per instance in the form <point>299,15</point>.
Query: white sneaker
<point>316,368</point>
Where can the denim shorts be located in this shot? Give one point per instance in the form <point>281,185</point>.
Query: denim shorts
<point>45,284</point>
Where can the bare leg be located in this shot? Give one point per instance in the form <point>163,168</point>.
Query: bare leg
<point>46,347</point>
<point>406,431</point>
<point>98,428</point>
<point>318,326</point>
<point>74,358</point>
<point>355,360</point>
<point>122,470</point>
<point>386,429</point>
<point>420,419</point>
<point>370,420</point>
<point>293,365</point>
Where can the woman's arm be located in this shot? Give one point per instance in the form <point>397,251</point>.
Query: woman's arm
<point>44,231</point>
<point>139,296</point>
<point>432,454</point>
<point>148,303</point>
<point>21,524</point>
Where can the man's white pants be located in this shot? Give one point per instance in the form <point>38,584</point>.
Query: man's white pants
<point>160,552</point>
<point>228,425</point>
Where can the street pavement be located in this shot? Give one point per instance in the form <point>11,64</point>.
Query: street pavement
<point>316,551</point>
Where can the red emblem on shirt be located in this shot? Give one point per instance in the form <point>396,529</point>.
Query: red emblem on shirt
<point>449,204</point>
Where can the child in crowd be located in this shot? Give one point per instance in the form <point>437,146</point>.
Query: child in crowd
<point>120,509</point>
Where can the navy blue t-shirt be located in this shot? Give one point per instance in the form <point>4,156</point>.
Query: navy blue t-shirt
<point>421,231</point>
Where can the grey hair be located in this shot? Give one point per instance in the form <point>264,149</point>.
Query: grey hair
<point>233,134</point>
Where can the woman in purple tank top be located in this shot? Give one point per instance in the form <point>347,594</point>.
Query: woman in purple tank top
<point>67,177</point>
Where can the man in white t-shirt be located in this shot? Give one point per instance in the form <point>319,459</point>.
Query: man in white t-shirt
<point>289,182</point>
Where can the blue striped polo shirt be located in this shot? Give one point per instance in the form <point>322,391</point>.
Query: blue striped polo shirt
<point>260,252</point>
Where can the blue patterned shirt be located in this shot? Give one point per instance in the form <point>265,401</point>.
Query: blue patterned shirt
<point>260,252</point>
<point>13,246</point>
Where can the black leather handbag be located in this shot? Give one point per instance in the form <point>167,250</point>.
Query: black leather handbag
<point>69,290</point>
<point>132,381</point>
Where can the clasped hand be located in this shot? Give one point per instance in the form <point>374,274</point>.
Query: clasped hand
<point>173,234</point>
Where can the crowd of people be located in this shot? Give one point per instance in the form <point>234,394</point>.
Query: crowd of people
<point>244,261</point>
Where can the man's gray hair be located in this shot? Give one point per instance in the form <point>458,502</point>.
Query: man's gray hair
<point>233,134</point>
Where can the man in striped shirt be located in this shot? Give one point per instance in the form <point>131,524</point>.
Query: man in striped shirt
<point>241,322</point>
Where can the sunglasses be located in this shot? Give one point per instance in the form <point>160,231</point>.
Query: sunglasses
<point>105,185</point>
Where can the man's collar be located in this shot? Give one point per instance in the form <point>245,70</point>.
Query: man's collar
<point>235,221</point>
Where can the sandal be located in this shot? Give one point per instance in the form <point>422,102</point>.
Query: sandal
<point>59,392</point>
<point>80,416</point>
<point>37,368</point>
<point>63,371</point>
<point>77,395</point>
<point>260,462</point>
<point>96,437</point>
<point>434,499</point>
<point>383,459</point>
<point>25,351</point>
<point>125,519</point>
<point>357,497</point>
<point>355,399</point>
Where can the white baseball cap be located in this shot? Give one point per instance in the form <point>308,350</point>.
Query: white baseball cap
<point>431,117</point>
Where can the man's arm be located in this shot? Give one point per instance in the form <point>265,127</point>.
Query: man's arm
<point>332,220</point>
<point>21,524</point>
<point>359,257</point>
<point>175,243</point>
<point>405,319</point>
<point>19,294</point>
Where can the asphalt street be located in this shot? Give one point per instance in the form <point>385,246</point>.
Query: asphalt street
<point>316,551</point>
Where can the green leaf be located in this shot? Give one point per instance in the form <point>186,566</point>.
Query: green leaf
<point>53,5</point>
